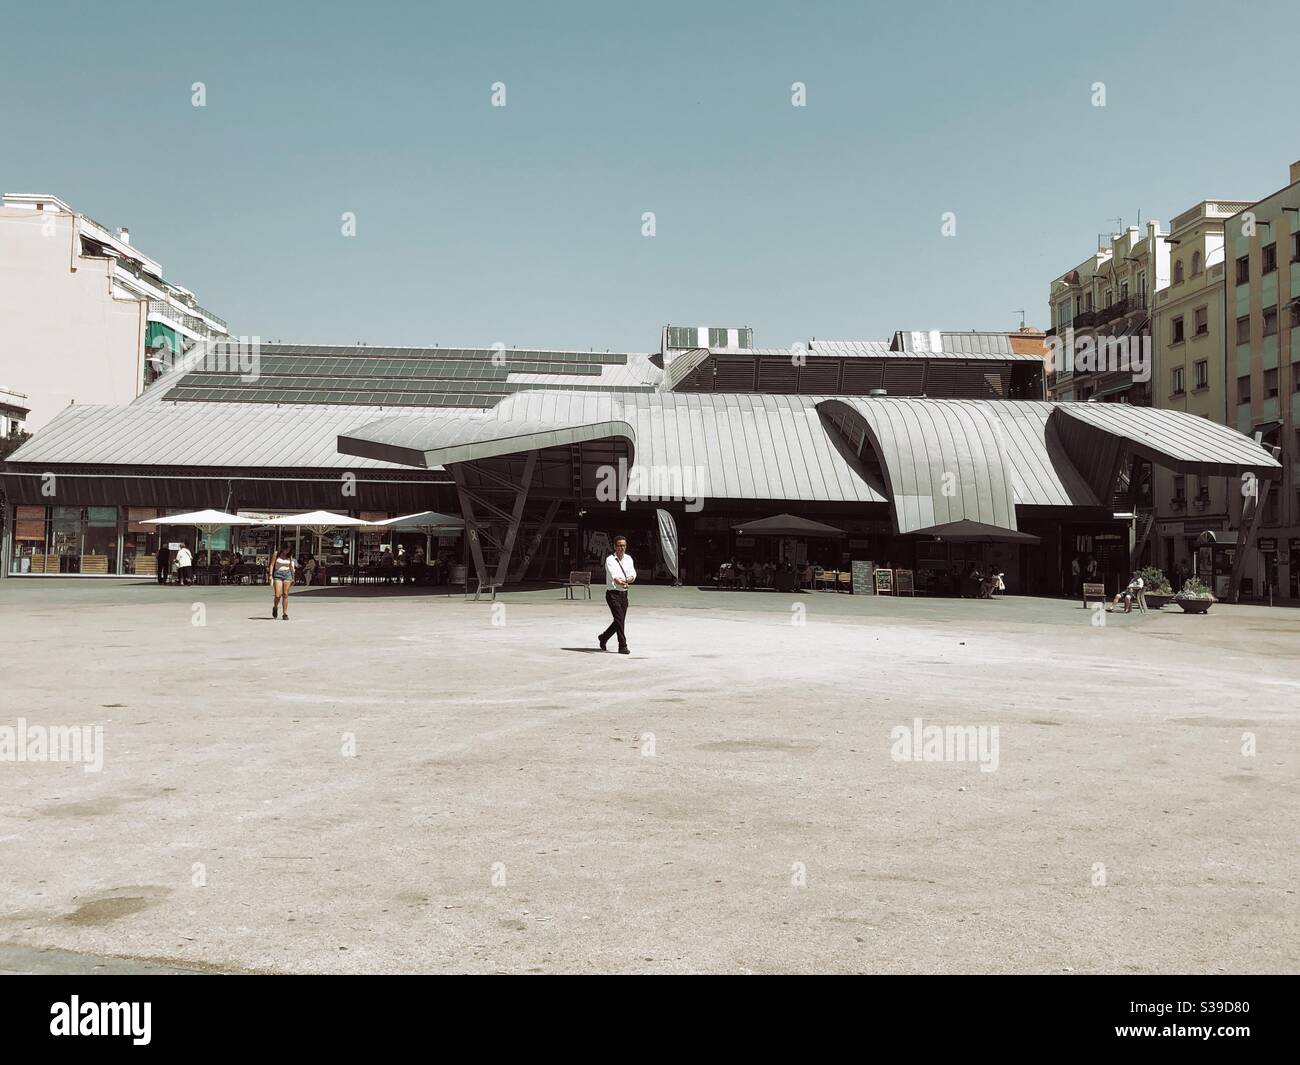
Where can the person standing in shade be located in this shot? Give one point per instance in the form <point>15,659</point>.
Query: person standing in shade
<point>620,573</point>
<point>184,560</point>
<point>164,563</point>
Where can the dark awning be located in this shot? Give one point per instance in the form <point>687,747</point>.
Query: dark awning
<point>976,532</point>
<point>788,525</point>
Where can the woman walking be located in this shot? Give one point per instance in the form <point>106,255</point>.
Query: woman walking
<point>281,572</point>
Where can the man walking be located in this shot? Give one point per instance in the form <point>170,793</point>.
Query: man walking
<point>619,574</point>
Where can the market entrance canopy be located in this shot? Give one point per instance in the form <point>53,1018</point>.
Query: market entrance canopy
<point>976,532</point>
<point>788,525</point>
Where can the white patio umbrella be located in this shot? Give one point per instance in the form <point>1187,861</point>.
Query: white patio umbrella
<point>319,521</point>
<point>205,521</point>
<point>427,522</point>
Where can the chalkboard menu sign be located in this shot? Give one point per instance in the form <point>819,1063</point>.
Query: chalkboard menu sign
<point>903,582</point>
<point>861,578</point>
<point>884,581</point>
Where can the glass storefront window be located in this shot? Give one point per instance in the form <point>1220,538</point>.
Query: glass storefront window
<point>82,540</point>
<point>140,543</point>
<point>29,536</point>
<point>99,541</point>
<point>65,540</point>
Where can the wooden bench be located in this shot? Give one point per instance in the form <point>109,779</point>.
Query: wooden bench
<point>1094,591</point>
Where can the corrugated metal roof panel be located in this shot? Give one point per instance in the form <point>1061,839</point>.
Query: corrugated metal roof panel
<point>235,435</point>
<point>962,346</point>
<point>746,446</point>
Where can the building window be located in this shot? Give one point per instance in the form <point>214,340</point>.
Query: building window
<point>1178,272</point>
<point>1178,388</point>
<point>1270,321</point>
<point>1295,313</point>
<point>1196,263</point>
<point>1108,298</point>
<point>1271,508</point>
<point>1176,330</point>
<point>1295,387</point>
<point>1295,247</point>
<point>1202,321</point>
<point>1243,329</point>
<point>1270,383</point>
<point>1123,291</point>
<point>1243,270</point>
<point>1203,373</point>
<point>1089,300</point>
<point>1243,389</point>
<point>1180,489</point>
<point>717,338</point>
<point>1269,260</point>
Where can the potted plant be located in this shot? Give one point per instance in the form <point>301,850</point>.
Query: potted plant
<point>1194,597</point>
<point>1156,589</point>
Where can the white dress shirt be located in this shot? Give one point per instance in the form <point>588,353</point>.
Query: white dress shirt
<point>613,570</point>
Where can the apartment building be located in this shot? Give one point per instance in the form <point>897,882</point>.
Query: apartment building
<point>84,316</point>
<point>1189,335</point>
<point>1101,317</point>
<point>1263,376</point>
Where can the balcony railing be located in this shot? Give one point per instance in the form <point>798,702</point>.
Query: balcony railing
<point>189,321</point>
<point>127,267</point>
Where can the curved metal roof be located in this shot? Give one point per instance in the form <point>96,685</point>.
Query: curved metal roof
<point>1179,441</point>
<point>739,446</point>
<point>944,460</point>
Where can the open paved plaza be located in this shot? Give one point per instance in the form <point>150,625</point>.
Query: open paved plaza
<point>398,780</point>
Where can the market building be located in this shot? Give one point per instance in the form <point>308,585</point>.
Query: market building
<point>545,453</point>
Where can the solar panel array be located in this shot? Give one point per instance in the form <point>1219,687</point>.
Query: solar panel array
<point>408,377</point>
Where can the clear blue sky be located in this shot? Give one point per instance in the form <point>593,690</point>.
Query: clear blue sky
<point>522,224</point>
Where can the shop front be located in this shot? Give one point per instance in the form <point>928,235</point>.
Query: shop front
<point>67,540</point>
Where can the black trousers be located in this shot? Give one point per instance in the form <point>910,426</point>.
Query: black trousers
<point>617,603</point>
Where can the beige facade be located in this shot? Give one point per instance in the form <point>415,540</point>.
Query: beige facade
<point>77,306</point>
<point>1107,298</point>
<point>1189,335</point>
<point>1262,251</point>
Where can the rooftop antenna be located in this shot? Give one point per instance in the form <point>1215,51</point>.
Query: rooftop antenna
<point>1022,318</point>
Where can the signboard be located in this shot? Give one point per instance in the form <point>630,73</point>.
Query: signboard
<point>862,578</point>
<point>29,523</point>
<point>174,546</point>
<point>884,581</point>
<point>1295,544</point>
<point>1269,545</point>
<point>903,582</point>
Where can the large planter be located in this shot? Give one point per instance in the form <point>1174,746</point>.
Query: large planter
<point>1195,606</point>
<point>1157,600</point>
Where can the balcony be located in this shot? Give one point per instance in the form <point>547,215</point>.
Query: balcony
<point>171,313</point>
<point>214,324</point>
